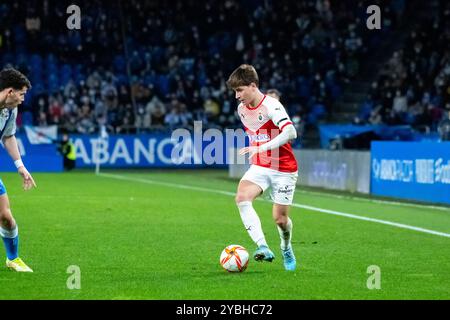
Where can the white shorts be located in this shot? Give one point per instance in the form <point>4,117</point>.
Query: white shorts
<point>282,183</point>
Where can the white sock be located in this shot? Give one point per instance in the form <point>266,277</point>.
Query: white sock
<point>251,222</point>
<point>286,235</point>
<point>4,233</point>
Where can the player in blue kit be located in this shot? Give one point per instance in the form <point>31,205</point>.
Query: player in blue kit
<point>13,86</point>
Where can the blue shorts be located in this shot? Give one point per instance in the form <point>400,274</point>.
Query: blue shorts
<point>2,188</point>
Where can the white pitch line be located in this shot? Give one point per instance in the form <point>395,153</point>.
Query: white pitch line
<point>389,223</point>
<point>390,202</point>
<point>336,213</point>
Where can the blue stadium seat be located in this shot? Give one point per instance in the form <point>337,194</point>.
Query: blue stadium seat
<point>120,64</point>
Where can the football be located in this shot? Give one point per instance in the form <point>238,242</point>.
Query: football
<point>234,258</point>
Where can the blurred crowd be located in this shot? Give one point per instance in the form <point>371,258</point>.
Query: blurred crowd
<point>414,86</point>
<point>140,66</point>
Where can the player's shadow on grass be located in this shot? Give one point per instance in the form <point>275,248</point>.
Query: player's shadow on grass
<point>246,273</point>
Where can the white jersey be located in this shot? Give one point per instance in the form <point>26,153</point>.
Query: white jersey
<point>263,123</point>
<point>7,122</point>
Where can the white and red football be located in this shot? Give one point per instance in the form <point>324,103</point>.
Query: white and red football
<point>234,258</point>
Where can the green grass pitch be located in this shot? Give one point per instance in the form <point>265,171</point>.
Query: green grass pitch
<point>159,234</point>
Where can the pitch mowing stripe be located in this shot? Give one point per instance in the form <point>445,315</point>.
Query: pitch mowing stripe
<point>337,213</point>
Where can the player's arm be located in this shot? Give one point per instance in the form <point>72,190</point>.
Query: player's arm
<point>288,132</point>
<point>12,148</point>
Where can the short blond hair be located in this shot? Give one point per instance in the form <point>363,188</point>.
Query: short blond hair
<point>244,75</point>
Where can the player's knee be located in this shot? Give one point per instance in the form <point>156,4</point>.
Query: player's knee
<point>5,212</point>
<point>242,196</point>
<point>281,221</point>
<point>239,198</point>
<point>6,216</point>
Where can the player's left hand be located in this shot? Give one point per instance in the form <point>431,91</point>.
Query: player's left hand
<point>28,181</point>
<point>250,150</point>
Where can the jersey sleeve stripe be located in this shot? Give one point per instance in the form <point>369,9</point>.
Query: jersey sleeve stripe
<point>278,123</point>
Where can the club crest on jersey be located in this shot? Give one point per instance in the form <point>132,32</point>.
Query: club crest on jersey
<point>260,117</point>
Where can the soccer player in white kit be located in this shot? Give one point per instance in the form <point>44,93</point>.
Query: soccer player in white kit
<point>273,163</point>
<point>13,86</point>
